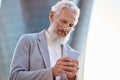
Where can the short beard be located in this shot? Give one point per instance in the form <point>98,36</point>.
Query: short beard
<point>54,37</point>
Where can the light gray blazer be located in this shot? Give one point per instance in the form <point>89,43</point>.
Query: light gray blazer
<point>31,58</point>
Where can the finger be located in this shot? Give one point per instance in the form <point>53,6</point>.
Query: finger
<point>70,74</point>
<point>72,64</point>
<point>58,70</point>
<point>70,69</point>
<point>75,61</point>
<point>66,63</point>
<point>65,59</point>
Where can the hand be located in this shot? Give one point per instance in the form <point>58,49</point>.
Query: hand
<point>74,69</point>
<point>67,66</point>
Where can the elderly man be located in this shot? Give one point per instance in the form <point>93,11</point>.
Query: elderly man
<point>41,56</point>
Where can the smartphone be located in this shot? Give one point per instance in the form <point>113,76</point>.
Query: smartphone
<point>73,54</point>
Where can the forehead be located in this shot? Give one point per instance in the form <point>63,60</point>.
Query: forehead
<point>67,15</point>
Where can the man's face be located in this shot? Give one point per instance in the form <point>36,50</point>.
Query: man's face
<point>64,22</point>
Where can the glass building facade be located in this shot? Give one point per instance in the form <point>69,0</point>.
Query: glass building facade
<point>18,17</point>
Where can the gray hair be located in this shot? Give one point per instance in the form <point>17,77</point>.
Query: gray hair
<point>66,4</point>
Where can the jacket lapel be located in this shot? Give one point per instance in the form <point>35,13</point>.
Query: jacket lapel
<point>43,48</point>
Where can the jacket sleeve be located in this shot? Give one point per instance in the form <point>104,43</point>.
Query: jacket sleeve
<point>19,69</point>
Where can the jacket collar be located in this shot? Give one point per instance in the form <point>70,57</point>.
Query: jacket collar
<point>42,44</point>
<point>43,48</point>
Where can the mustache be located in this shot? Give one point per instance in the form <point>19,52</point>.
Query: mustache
<point>62,30</point>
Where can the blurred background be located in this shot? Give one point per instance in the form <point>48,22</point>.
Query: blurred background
<point>96,37</point>
<point>18,17</point>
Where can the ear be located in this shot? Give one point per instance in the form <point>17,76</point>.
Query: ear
<point>51,16</point>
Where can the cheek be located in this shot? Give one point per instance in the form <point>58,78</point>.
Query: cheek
<point>59,26</point>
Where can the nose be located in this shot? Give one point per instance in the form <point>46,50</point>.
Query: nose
<point>67,29</point>
<point>67,26</point>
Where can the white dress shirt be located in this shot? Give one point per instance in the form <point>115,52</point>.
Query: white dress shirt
<point>54,52</point>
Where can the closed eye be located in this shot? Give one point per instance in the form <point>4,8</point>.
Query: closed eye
<point>63,21</point>
<point>71,25</point>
